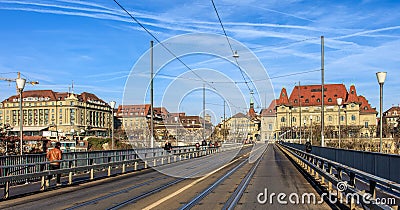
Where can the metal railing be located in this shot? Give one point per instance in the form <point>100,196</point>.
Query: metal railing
<point>35,167</point>
<point>357,183</point>
<point>386,166</point>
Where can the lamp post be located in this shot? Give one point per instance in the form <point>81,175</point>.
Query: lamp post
<point>20,87</point>
<point>311,134</point>
<point>176,128</point>
<point>112,105</point>
<point>381,76</point>
<point>339,103</point>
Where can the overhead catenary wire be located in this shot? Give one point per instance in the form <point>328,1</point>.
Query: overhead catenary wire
<point>230,46</point>
<point>165,47</point>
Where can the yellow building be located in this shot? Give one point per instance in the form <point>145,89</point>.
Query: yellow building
<point>301,113</point>
<point>53,114</point>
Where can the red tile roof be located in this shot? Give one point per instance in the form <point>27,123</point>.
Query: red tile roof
<point>49,95</point>
<point>283,98</point>
<point>139,110</point>
<point>310,95</point>
<point>270,111</point>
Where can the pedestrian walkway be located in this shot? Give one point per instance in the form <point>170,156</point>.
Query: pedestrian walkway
<point>276,174</point>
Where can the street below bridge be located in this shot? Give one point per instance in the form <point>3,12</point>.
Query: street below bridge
<point>237,184</point>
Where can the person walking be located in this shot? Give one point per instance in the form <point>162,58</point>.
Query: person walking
<point>54,156</point>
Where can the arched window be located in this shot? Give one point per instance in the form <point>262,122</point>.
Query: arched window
<point>293,119</point>
<point>283,119</point>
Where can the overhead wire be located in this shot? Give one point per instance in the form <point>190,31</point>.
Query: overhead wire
<point>232,51</point>
<point>166,48</point>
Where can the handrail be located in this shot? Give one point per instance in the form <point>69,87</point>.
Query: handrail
<point>319,166</point>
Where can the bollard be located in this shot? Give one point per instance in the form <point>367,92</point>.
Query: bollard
<point>91,174</point>
<point>135,166</point>
<point>70,178</point>
<point>42,183</point>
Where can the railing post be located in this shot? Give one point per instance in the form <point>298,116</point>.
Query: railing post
<point>109,171</point>
<point>123,167</point>
<point>372,189</point>
<point>135,166</point>
<point>91,174</point>
<point>70,178</point>
<point>329,170</point>
<point>145,164</point>
<point>42,183</point>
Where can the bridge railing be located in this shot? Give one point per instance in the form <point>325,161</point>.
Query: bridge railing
<point>386,166</point>
<point>29,163</point>
<point>333,174</point>
<point>35,167</point>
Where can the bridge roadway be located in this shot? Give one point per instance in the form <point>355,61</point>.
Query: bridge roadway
<point>150,189</point>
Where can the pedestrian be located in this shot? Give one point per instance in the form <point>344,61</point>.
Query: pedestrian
<point>54,156</point>
<point>308,146</point>
<point>197,146</point>
<point>168,146</point>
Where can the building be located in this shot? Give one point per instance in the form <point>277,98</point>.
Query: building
<point>177,127</point>
<point>268,121</point>
<point>240,127</point>
<point>57,114</point>
<point>301,113</point>
<point>391,119</point>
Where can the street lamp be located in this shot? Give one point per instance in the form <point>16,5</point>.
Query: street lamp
<point>311,129</point>
<point>339,103</point>
<point>112,105</point>
<point>381,76</point>
<point>176,128</point>
<point>20,87</point>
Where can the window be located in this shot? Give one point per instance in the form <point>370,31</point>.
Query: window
<point>329,100</point>
<point>365,124</point>
<point>307,101</point>
<point>283,119</point>
<point>341,118</point>
<point>353,117</point>
<point>270,126</point>
<point>330,118</point>
<point>295,101</point>
<point>318,100</point>
<point>365,108</point>
<point>293,119</point>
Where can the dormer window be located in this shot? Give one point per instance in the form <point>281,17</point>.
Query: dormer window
<point>295,101</point>
<point>365,108</point>
<point>307,101</point>
<point>318,100</point>
<point>329,100</point>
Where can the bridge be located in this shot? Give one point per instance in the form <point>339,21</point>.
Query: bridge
<point>270,175</point>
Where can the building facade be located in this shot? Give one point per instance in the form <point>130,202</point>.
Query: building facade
<point>300,113</point>
<point>391,120</point>
<point>57,114</point>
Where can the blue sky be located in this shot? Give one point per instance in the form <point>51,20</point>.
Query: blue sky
<point>95,44</point>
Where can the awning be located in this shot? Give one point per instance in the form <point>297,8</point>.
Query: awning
<point>30,128</point>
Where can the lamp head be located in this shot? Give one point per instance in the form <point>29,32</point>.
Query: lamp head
<point>339,101</point>
<point>381,76</point>
<point>20,83</point>
<point>112,104</point>
<point>235,54</point>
